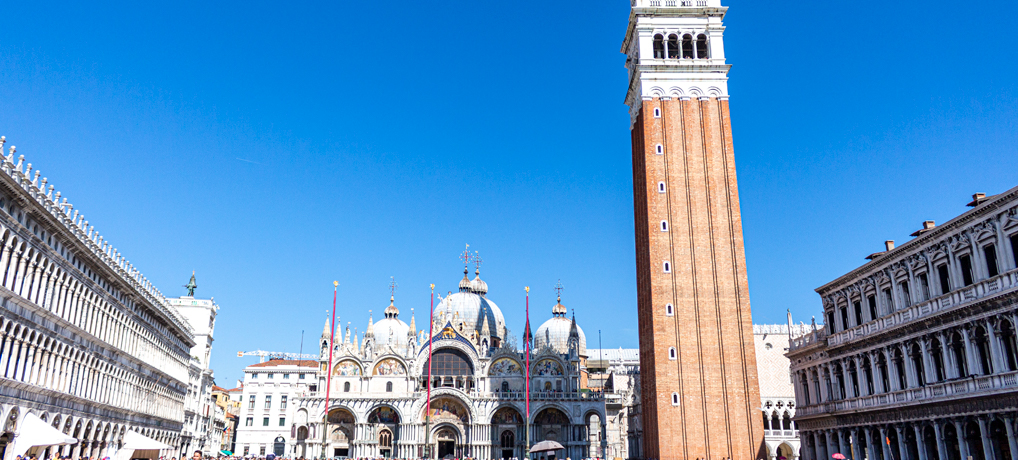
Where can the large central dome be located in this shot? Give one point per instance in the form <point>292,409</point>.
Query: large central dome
<point>471,307</point>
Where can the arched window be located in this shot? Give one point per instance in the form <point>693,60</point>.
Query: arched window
<point>675,399</point>
<point>958,350</point>
<point>899,368</point>
<point>346,387</point>
<point>1007,336</point>
<point>660,187</point>
<point>388,387</point>
<point>687,46</point>
<point>937,352</point>
<point>667,267</point>
<point>450,362</point>
<point>505,386</point>
<point>659,149</point>
<point>786,422</point>
<point>508,439</point>
<point>671,353</point>
<point>664,225</point>
<point>673,46</point>
<point>385,438</point>
<point>669,310</point>
<point>657,112</point>
<point>701,47</point>
<point>659,47</point>
<point>982,351</point>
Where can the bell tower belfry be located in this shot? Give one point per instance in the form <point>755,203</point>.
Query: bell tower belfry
<point>698,374</point>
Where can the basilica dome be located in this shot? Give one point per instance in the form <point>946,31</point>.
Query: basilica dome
<point>555,332</point>
<point>391,330</point>
<point>470,307</point>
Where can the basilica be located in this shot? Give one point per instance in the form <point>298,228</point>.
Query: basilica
<point>378,387</point>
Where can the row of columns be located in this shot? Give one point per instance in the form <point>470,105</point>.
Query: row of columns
<point>950,439</point>
<point>28,356</point>
<point>821,380</point>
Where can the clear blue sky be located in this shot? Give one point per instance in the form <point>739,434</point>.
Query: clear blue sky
<point>275,147</point>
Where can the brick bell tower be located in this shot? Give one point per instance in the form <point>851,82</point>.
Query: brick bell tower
<point>699,392</point>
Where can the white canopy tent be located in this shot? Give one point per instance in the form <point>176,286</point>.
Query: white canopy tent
<point>33,432</point>
<point>137,445</point>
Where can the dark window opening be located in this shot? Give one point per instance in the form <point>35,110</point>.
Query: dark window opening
<point>872,301</point>
<point>917,364</point>
<point>991,260</point>
<point>388,387</point>
<point>966,269</point>
<point>450,362</point>
<point>673,47</point>
<point>958,349</point>
<point>659,47</point>
<point>844,318</point>
<point>701,46</point>
<point>888,300</point>
<point>687,46</point>
<point>905,295</point>
<point>857,306</point>
<point>937,351</point>
<point>945,278</point>
<point>924,286</point>
<point>1014,248</point>
<point>830,321</point>
<point>346,387</point>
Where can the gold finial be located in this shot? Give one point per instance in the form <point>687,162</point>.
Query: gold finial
<point>432,287</point>
<point>527,289</point>
<point>335,284</point>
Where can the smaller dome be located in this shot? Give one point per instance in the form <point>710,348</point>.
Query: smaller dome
<point>465,284</point>
<point>391,311</point>
<point>478,285</point>
<point>558,309</point>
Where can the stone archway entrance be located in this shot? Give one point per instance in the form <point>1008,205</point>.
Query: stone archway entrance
<point>446,439</point>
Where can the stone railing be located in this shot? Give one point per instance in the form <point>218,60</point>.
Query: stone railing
<point>808,340</point>
<point>674,3</point>
<point>951,389</point>
<point>61,212</point>
<point>954,299</point>
<point>781,433</point>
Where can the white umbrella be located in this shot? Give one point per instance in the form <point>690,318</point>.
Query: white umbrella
<point>137,445</point>
<point>32,431</point>
<point>546,446</point>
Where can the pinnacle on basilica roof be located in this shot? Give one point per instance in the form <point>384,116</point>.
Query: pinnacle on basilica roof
<point>413,323</point>
<point>325,330</point>
<point>371,325</point>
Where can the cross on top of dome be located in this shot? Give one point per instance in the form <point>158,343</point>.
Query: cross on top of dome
<point>558,309</point>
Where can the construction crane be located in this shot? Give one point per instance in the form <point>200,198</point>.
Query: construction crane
<point>275,355</point>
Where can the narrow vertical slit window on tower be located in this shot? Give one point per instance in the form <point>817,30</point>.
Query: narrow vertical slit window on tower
<point>659,47</point>
<point>966,269</point>
<point>945,279</point>
<point>671,353</point>
<point>669,310</point>
<point>675,399</point>
<point>657,112</point>
<point>701,47</point>
<point>687,46</point>
<point>660,187</point>
<point>673,46</point>
<point>667,267</point>
<point>664,225</point>
<point>660,149</point>
<point>991,260</point>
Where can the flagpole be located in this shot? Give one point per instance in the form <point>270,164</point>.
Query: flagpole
<point>427,410</point>
<point>328,375</point>
<point>526,346</point>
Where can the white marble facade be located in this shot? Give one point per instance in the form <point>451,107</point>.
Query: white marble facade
<point>378,391</point>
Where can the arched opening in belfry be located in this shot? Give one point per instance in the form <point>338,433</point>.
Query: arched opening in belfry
<point>687,46</point>
<point>701,47</point>
<point>659,47</point>
<point>673,46</point>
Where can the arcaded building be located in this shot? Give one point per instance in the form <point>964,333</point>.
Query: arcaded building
<point>918,357</point>
<point>697,364</point>
<point>87,344</point>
